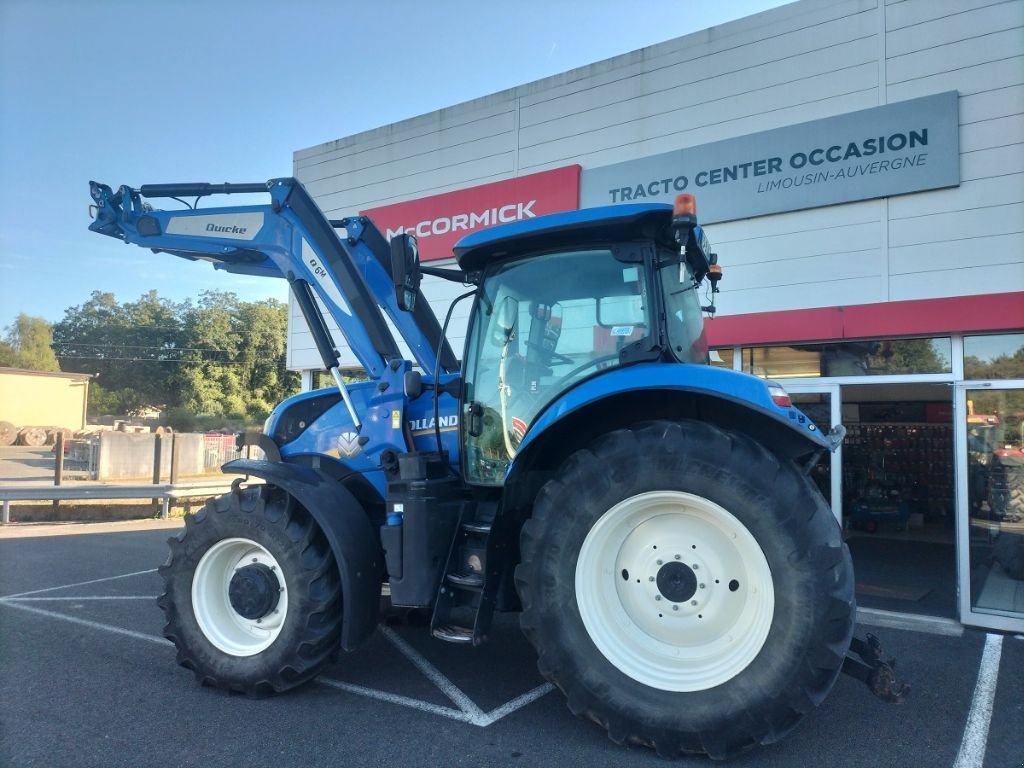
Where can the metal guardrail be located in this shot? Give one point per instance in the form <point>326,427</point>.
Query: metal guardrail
<point>165,492</point>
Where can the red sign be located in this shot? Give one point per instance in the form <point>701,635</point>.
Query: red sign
<point>439,221</point>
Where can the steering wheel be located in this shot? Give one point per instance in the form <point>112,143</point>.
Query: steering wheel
<point>556,357</point>
<point>584,366</point>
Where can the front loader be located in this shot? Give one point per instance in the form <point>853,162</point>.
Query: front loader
<point>682,580</point>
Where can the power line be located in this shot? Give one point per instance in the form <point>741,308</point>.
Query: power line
<point>139,346</point>
<point>154,360</point>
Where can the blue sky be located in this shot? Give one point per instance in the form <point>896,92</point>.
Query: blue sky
<point>136,92</point>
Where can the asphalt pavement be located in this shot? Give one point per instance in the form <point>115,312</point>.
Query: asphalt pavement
<point>86,679</point>
<point>22,465</point>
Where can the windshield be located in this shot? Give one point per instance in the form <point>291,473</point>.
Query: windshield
<point>541,325</point>
<point>683,314</point>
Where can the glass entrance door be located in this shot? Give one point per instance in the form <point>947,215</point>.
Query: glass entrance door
<point>990,504</point>
<point>821,403</point>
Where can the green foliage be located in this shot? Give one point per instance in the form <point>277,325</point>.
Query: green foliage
<point>101,403</point>
<point>217,357</point>
<point>29,344</point>
<point>1002,367</point>
<point>8,355</point>
<point>908,356</point>
<point>181,419</point>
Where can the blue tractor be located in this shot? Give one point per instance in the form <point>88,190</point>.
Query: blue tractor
<point>682,580</point>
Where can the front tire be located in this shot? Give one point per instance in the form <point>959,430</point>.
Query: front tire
<point>686,589</point>
<point>252,593</point>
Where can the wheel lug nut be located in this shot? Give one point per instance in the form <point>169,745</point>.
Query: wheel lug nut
<point>659,562</point>
<point>657,597</point>
<point>650,578</point>
<point>695,566</point>
<point>675,607</point>
<point>702,586</point>
<point>679,557</point>
<point>693,602</point>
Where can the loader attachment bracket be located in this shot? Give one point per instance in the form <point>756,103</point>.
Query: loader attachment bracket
<point>864,662</point>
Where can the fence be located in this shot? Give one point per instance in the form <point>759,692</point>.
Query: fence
<point>113,456</point>
<point>82,459</point>
<point>219,449</point>
<point>164,493</point>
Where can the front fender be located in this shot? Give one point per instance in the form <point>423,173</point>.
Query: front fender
<point>739,388</point>
<point>348,530</point>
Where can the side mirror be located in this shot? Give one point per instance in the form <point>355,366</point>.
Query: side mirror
<point>405,270</point>
<point>506,316</point>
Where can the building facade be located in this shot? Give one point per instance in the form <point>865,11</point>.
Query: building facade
<point>43,398</point>
<point>859,165</point>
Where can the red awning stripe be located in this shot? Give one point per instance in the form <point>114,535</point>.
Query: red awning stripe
<point>927,317</point>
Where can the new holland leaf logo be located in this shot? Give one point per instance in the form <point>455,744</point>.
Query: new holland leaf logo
<point>348,444</point>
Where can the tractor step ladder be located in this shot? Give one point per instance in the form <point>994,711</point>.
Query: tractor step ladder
<point>466,596</point>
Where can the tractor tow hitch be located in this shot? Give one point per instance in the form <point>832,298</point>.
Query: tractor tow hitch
<point>864,662</point>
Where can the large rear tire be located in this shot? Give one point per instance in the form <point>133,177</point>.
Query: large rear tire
<point>1008,549</point>
<point>252,598</point>
<point>1006,488</point>
<point>686,589</point>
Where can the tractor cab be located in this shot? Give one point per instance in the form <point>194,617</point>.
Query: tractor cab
<point>564,299</point>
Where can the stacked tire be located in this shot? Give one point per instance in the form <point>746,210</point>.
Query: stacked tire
<point>1006,501</point>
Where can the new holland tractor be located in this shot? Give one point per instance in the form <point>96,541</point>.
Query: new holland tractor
<point>682,580</point>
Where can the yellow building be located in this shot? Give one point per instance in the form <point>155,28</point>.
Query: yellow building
<point>43,399</point>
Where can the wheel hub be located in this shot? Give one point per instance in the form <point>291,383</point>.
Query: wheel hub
<point>677,582</point>
<point>239,596</point>
<point>674,590</point>
<point>254,591</point>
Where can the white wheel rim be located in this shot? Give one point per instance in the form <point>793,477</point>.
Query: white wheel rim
<point>657,639</point>
<point>224,627</point>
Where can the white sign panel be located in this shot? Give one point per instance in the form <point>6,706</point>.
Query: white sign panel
<point>894,149</point>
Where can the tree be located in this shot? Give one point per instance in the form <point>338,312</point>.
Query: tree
<point>908,356</point>
<point>130,346</point>
<point>211,383</point>
<point>29,344</point>
<point>265,379</point>
<point>217,356</point>
<point>8,355</point>
<point>1002,367</point>
<point>89,338</point>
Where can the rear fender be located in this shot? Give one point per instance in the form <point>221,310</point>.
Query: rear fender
<point>627,396</point>
<point>744,393</point>
<point>348,530</point>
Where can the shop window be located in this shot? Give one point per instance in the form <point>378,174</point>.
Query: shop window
<point>782,362</point>
<point>721,358</point>
<point>851,358</point>
<point>995,499</point>
<point>994,357</point>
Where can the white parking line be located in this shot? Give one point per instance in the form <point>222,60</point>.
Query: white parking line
<point>78,584</point>
<point>74,598</point>
<point>84,622</point>
<point>972,748</point>
<point>429,671</point>
<point>517,703</point>
<point>468,711</point>
<point>394,698</point>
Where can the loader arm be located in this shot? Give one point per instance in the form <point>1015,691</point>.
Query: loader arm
<point>290,238</point>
